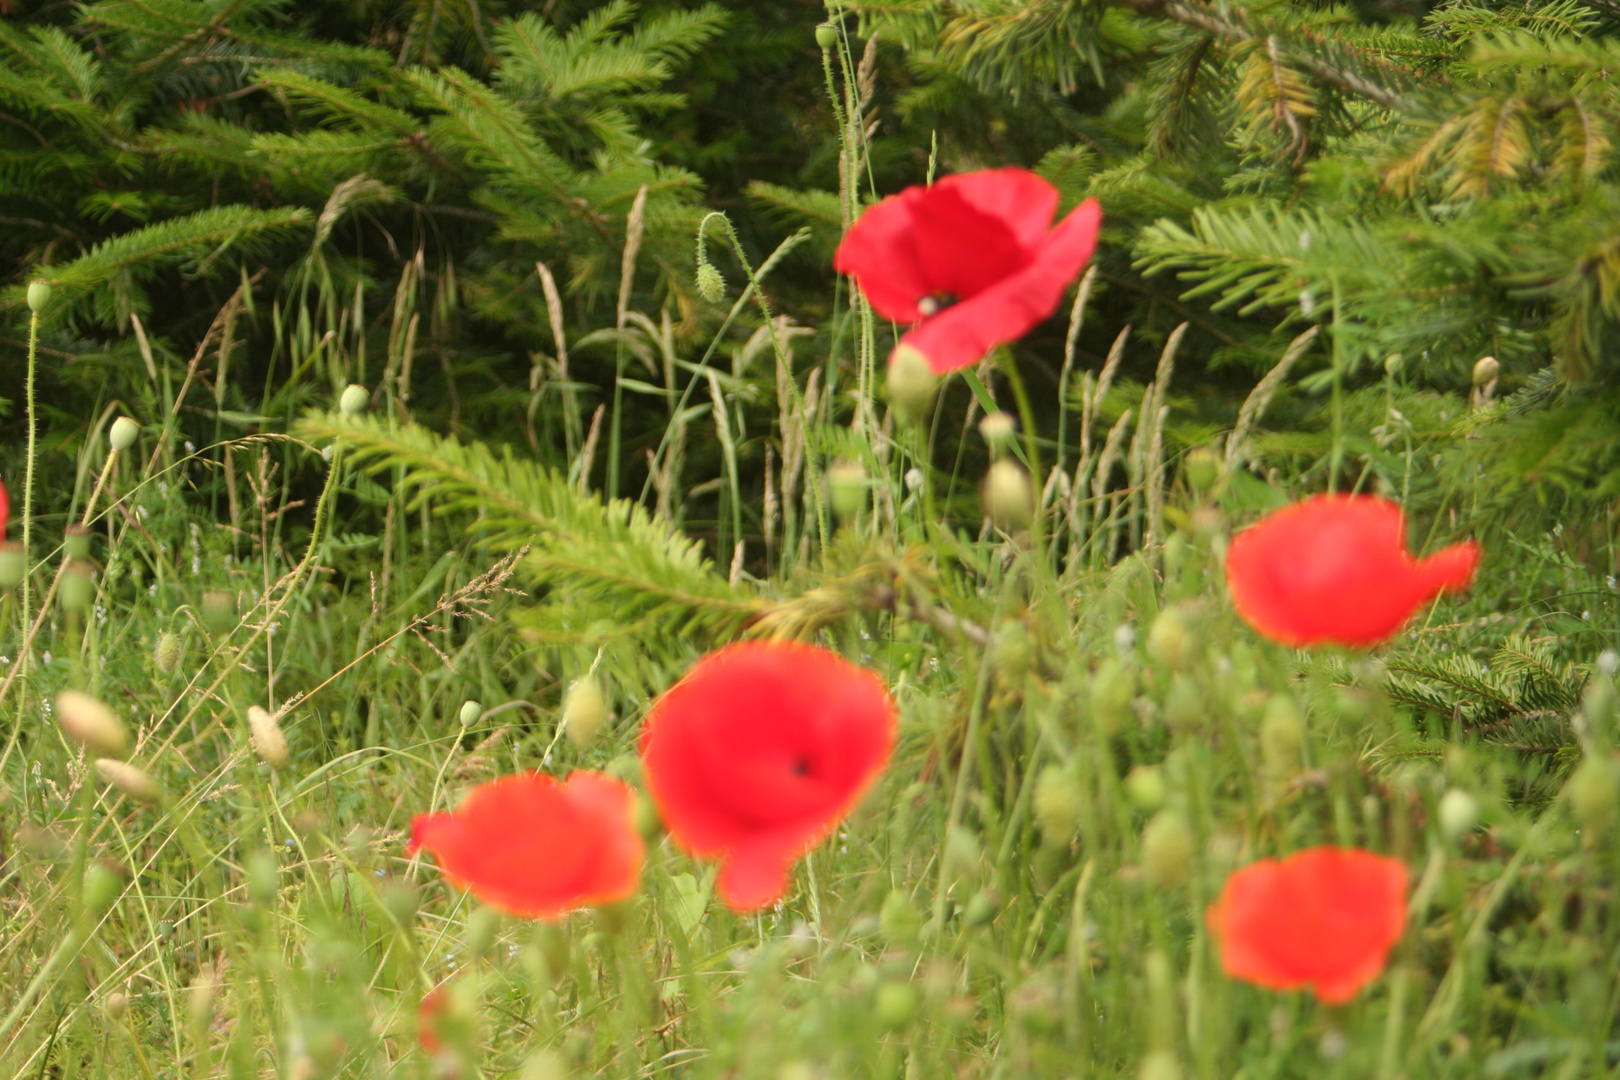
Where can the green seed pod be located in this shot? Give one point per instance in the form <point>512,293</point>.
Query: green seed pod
<point>711,285</point>
<point>1184,707</point>
<point>122,434</point>
<point>168,652</point>
<point>354,400</point>
<point>894,1004</point>
<point>1458,813</point>
<point>584,711</point>
<point>39,296</point>
<point>1593,794</point>
<point>1393,363</point>
<point>1009,497</point>
<point>910,383</point>
<point>13,564</point>
<point>470,713</point>
<point>1113,688</point>
<point>846,488</point>
<point>981,908</point>
<point>1203,467</point>
<point>826,36</point>
<point>76,541</point>
<point>899,919</point>
<point>101,888</point>
<point>129,779</point>
<point>92,724</point>
<point>1171,641</point>
<point>1058,803</point>
<point>1167,849</point>
<point>116,1005</point>
<point>78,587</point>
<point>1145,787</point>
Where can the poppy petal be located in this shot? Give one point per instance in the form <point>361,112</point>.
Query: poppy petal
<point>963,250</point>
<point>754,877</point>
<point>5,509</point>
<point>1025,201</point>
<point>963,333</point>
<point>879,253</point>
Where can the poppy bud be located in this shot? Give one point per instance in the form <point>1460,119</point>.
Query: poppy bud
<point>1009,499</point>
<point>1160,1065</point>
<point>116,1005</point>
<point>1113,688</point>
<point>354,400</point>
<point>1282,735</point>
<point>899,919</point>
<point>1167,849</point>
<point>400,899</point>
<point>101,887</point>
<point>1592,794</point>
<point>1058,803</point>
<point>1145,787</point>
<point>77,588</point>
<point>76,541</point>
<point>584,711</point>
<point>92,724</point>
<point>846,488</point>
<point>128,779</point>
<point>894,1004</point>
<point>219,610</point>
<point>1393,364</point>
<point>167,654</point>
<point>649,822</point>
<point>13,564</point>
<point>554,948</point>
<point>482,925</point>
<point>470,713</point>
<point>121,435</point>
<point>265,734</point>
<point>1486,371</point>
<point>826,36</point>
<point>1459,813</point>
<point>910,382</point>
<point>1010,651</point>
<point>998,428</point>
<point>39,296</point>
<point>1184,708</point>
<point>1203,467</point>
<point>962,850</point>
<point>711,285</point>
<point>981,908</point>
<point>1170,640</point>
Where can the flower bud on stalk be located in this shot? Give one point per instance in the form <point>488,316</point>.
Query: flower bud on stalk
<point>910,383</point>
<point>39,296</point>
<point>1167,849</point>
<point>78,587</point>
<point>470,712</point>
<point>92,724</point>
<point>846,488</point>
<point>1170,640</point>
<point>1486,371</point>
<point>894,1005</point>
<point>1145,787</point>
<point>1058,803</point>
<point>116,1005</point>
<point>354,400</point>
<point>1593,795</point>
<point>1459,813</point>
<point>76,541</point>
<point>129,779</point>
<point>13,564</point>
<point>1203,467</point>
<point>101,887</point>
<point>998,429</point>
<point>1112,690</point>
<point>710,284</point>
<point>219,610</point>
<point>121,435</point>
<point>1282,736</point>
<point>1009,499</point>
<point>584,711</point>
<point>267,738</point>
<point>826,36</point>
<point>168,652</point>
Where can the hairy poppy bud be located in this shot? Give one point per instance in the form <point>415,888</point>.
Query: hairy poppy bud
<point>826,36</point>
<point>584,711</point>
<point>470,712</point>
<point>1009,499</point>
<point>168,652</point>
<point>1167,849</point>
<point>76,542</point>
<point>101,887</point>
<point>39,296</point>
<point>354,400</point>
<point>998,428</point>
<point>910,382</point>
<point>116,1005</point>
<point>1184,705</point>
<point>1203,467</point>
<point>1113,688</point>
<point>1486,371</point>
<point>711,285</point>
<point>1170,640</point>
<point>268,741</point>
<point>846,488</point>
<point>77,588</point>
<point>92,724</point>
<point>1593,795</point>
<point>1058,803</point>
<point>894,1004</point>
<point>1393,364</point>
<point>13,564</point>
<point>1459,813</point>
<point>1145,787</point>
<point>132,781</point>
<point>121,435</point>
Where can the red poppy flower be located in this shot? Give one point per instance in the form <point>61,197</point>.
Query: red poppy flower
<point>1324,918</point>
<point>974,257</point>
<point>5,509</point>
<point>538,848</point>
<point>427,1018</point>
<point>758,752</point>
<point>1334,568</point>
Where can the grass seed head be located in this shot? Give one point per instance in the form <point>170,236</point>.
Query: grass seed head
<point>92,724</point>
<point>269,742</point>
<point>129,779</point>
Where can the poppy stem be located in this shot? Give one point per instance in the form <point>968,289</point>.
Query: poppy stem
<point>28,481</point>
